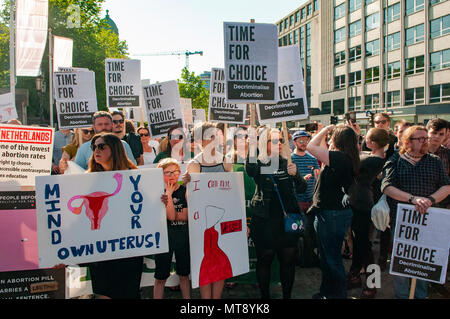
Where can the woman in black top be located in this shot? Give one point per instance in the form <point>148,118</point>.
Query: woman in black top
<point>340,167</point>
<point>267,225</point>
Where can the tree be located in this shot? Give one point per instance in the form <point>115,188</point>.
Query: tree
<point>192,86</point>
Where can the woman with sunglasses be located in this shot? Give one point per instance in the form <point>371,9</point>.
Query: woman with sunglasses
<point>150,151</point>
<point>117,278</point>
<point>70,150</point>
<point>267,224</point>
<point>174,145</point>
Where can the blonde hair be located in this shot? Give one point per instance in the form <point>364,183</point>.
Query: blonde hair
<point>168,162</point>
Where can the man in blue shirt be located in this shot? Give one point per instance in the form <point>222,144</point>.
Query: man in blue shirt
<point>102,123</point>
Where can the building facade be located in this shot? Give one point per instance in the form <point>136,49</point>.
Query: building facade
<point>373,55</point>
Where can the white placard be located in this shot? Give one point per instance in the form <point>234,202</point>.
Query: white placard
<point>62,53</point>
<point>163,107</point>
<point>199,115</point>
<point>7,109</point>
<point>251,62</point>
<point>123,82</point>
<point>100,216</point>
<point>217,227</point>
<point>421,243</point>
<point>186,105</point>
<point>292,105</point>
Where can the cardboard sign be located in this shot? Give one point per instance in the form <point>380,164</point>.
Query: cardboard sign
<point>25,152</point>
<point>163,107</point>
<point>421,244</point>
<point>199,115</point>
<point>217,227</point>
<point>76,98</point>
<point>123,82</point>
<point>33,284</point>
<point>219,110</point>
<point>100,216</point>
<point>251,62</point>
<point>7,108</point>
<point>292,105</point>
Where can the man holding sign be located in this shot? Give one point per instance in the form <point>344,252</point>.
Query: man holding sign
<point>414,176</point>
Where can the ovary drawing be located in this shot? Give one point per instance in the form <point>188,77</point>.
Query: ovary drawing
<point>96,204</point>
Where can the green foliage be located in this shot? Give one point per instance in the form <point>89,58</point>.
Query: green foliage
<point>191,86</point>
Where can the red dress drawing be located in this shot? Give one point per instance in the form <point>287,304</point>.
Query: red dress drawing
<point>215,264</point>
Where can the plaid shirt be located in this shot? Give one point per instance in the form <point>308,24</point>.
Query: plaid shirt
<point>422,179</point>
<point>444,155</point>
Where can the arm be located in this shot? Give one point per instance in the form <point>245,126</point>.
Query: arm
<point>316,149</point>
<point>441,193</point>
<point>421,203</point>
<point>252,169</point>
<point>170,208</point>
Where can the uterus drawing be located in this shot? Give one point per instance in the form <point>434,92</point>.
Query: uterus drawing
<point>96,204</point>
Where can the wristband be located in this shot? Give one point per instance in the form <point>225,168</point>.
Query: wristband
<point>431,198</point>
<point>410,200</point>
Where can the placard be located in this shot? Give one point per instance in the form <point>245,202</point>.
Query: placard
<point>123,82</point>
<point>251,62</point>
<point>76,98</point>
<point>163,107</point>
<point>7,109</point>
<point>199,115</point>
<point>292,104</point>
<point>219,110</point>
<point>186,105</point>
<point>421,244</point>
<point>217,227</point>
<point>25,152</point>
<point>100,216</point>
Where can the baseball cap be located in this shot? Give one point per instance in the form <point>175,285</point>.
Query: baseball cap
<point>300,134</point>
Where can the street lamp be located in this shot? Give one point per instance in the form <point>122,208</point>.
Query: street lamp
<point>40,88</point>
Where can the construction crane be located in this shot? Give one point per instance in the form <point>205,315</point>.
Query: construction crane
<point>186,53</point>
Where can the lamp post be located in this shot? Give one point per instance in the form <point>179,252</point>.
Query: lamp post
<point>40,88</point>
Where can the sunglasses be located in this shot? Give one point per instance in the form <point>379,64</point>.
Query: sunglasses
<point>241,136</point>
<point>381,122</point>
<point>276,141</point>
<point>88,131</point>
<point>176,137</point>
<point>144,134</point>
<point>100,146</point>
<point>170,173</point>
<point>118,121</point>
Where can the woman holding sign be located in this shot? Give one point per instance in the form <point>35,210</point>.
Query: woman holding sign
<point>270,170</point>
<point>119,278</point>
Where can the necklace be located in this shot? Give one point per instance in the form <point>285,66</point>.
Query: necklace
<point>412,156</point>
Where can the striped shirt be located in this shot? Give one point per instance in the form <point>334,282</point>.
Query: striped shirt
<point>306,164</point>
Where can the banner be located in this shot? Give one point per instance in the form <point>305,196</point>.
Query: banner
<point>62,52</point>
<point>7,109</point>
<point>421,244</point>
<point>251,62</point>
<point>217,227</point>
<point>25,152</point>
<point>219,110</point>
<point>31,35</point>
<point>292,105</point>
<point>163,107</point>
<point>100,216</point>
<point>123,82</point>
<point>76,98</point>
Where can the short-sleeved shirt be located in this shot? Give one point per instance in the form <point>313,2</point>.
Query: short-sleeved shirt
<point>179,202</point>
<point>306,164</point>
<point>134,141</point>
<point>333,181</point>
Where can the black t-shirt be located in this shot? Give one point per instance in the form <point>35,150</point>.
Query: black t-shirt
<point>134,140</point>
<point>390,151</point>
<point>179,202</point>
<point>328,192</point>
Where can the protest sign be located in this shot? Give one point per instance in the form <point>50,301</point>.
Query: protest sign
<point>219,110</point>
<point>25,152</point>
<point>198,115</point>
<point>217,227</point>
<point>421,243</point>
<point>107,215</point>
<point>251,62</point>
<point>33,284</point>
<point>123,82</point>
<point>292,105</point>
<point>163,107</point>
<point>7,109</point>
<point>76,98</point>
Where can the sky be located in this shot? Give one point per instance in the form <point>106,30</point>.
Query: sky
<point>154,26</point>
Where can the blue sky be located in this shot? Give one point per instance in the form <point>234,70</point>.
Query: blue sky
<point>178,25</point>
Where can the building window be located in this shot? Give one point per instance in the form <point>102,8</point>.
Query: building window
<point>291,38</point>
<point>297,16</point>
<point>354,78</point>
<point>440,93</point>
<point>372,101</point>
<point>339,35</point>
<point>354,103</point>
<point>286,23</point>
<point>440,26</point>
<point>433,2</point>
<point>369,1</point>
<point>414,96</point>
<point>280,42</point>
<point>354,5</point>
<point>295,36</point>
<point>316,5</point>
<point>309,9</point>
<point>372,74</point>
<point>373,47</point>
<point>339,11</point>
<point>415,65</point>
<point>373,21</point>
<point>339,58</point>
<point>415,34</point>
<point>326,107</point>
<point>339,81</point>
<point>354,53</point>
<point>440,60</point>
<point>393,98</point>
<point>303,13</point>
<point>414,6</point>
<point>392,70</point>
<point>291,20</point>
<point>392,13</point>
<point>354,28</point>
<point>392,42</point>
